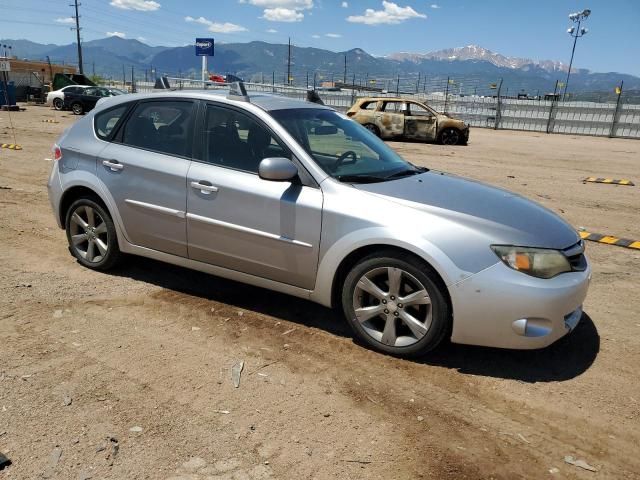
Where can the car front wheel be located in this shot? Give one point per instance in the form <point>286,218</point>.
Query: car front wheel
<point>450,136</point>
<point>92,235</point>
<point>395,305</point>
<point>58,104</point>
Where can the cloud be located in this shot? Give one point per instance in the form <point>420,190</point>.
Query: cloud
<point>435,5</point>
<point>333,35</point>
<point>116,34</point>
<point>141,5</point>
<point>282,15</point>
<point>67,20</point>
<point>290,4</point>
<point>390,14</point>
<point>272,30</point>
<point>216,27</point>
<point>315,36</point>
<point>344,4</point>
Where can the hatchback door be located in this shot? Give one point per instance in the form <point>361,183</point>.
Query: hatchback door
<point>419,123</point>
<point>390,119</point>
<point>145,170</point>
<point>239,221</point>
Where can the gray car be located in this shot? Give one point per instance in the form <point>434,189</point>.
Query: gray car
<point>295,197</point>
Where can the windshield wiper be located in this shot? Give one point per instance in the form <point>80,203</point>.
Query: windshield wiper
<point>360,178</point>
<point>404,173</point>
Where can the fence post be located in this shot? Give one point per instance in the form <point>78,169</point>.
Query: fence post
<point>398,85</point>
<point>616,113</point>
<point>498,112</point>
<point>133,82</point>
<point>446,97</point>
<point>551,109</point>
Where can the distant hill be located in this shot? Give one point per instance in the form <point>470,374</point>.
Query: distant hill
<point>474,68</point>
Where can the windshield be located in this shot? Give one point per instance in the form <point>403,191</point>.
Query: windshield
<point>341,147</point>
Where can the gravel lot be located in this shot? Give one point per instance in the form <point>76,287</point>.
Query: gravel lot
<point>127,375</point>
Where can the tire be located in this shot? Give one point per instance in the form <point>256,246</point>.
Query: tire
<point>451,136</point>
<point>58,104</point>
<point>379,318</point>
<point>77,108</point>
<point>92,236</point>
<point>373,129</point>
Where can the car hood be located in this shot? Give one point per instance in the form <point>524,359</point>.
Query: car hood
<point>505,217</point>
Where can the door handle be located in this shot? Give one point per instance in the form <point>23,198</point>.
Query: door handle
<point>204,189</point>
<point>113,165</point>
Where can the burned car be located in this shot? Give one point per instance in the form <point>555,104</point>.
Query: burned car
<point>392,118</point>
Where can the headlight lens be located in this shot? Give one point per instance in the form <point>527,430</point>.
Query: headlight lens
<point>537,262</point>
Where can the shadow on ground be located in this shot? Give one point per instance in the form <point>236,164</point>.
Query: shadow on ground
<point>566,359</point>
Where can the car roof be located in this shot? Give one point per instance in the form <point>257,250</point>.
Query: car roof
<point>266,101</point>
<point>388,99</point>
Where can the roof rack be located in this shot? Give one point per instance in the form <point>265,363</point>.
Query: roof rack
<point>237,91</point>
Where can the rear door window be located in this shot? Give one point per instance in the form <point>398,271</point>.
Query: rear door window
<point>106,122</point>
<point>161,126</point>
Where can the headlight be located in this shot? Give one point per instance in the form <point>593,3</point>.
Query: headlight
<point>537,262</point>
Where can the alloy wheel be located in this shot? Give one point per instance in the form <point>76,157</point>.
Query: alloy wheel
<point>89,236</point>
<point>392,306</point>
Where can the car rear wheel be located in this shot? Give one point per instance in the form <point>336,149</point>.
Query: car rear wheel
<point>394,305</point>
<point>450,136</point>
<point>92,235</point>
<point>58,104</point>
<point>372,128</point>
<point>77,108</point>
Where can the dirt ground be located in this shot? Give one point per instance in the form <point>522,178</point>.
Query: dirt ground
<point>127,375</point>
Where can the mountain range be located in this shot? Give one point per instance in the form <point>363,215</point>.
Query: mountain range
<point>469,65</point>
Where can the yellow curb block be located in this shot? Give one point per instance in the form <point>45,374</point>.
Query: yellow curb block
<point>11,146</point>
<point>50,121</point>
<point>609,181</point>
<point>610,240</point>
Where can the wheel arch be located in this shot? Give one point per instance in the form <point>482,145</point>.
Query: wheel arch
<point>356,255</point>
<point>72,194</point>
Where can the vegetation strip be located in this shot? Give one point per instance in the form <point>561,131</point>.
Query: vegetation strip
<point>610,181</point>
<point>610,240</point>
<point>11,146</point>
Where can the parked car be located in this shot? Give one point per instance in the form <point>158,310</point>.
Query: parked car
<point>391,118</point>
<point>86,100</point>
<point>55,98</point>
<point>294,197</point>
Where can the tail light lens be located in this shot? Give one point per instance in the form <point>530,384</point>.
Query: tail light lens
<point>57,152</point>
<point>350,114</point>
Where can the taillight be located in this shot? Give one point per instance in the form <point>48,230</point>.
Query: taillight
<point>350,114</point>
<point>57,152</point>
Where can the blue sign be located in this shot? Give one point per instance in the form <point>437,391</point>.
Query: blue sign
<point>204,47</point>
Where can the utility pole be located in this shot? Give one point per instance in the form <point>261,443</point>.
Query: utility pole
<point>289,64</point>
<point>77,29</point>
<point>344,80</point>
<point>575,32</point>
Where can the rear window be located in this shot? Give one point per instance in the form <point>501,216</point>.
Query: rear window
<point>105,122</point>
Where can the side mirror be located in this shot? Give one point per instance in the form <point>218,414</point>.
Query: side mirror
<point>277,169</point>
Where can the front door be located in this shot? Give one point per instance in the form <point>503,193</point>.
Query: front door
<point>390,119</point>
<point>419,123</point>
<point>239,221</point>
<point>145,170</point>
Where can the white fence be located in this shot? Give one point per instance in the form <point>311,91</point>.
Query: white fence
<point>549,116</point>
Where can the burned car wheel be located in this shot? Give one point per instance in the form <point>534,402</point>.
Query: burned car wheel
<point>394,305</point>
<point>372,128</point>
<point>450,136</point>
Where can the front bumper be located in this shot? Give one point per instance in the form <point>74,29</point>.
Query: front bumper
<point>500,307</point>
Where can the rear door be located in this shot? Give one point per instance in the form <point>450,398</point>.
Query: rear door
<point>239,221</point>
<point>390,119</point>
<point>419,122</point>
<point>145,170</point>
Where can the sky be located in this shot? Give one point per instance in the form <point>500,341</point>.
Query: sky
<point>535,29</point>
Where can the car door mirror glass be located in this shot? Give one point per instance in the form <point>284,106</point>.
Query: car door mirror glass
<point>278,169</point>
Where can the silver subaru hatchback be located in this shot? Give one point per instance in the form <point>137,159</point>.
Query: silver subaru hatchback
<point>295,197</point>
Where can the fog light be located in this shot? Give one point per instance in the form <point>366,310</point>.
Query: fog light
<point>532,327</point>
